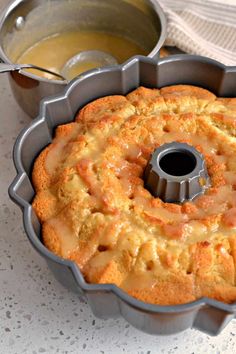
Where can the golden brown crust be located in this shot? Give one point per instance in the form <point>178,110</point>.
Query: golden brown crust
<point>173,290</point>
<point>95,210</point>
<point>40,177</point>
<point>51,239</point>
<point>44,205</point>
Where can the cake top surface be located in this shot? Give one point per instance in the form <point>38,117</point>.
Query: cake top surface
<point>95,210</point>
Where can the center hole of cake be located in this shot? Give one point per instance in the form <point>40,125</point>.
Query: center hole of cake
<point>178,163</point>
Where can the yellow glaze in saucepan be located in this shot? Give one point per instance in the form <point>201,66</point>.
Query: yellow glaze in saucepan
<point>53,52</point>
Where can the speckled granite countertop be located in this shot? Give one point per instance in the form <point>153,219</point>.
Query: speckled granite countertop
<point>37,314</point>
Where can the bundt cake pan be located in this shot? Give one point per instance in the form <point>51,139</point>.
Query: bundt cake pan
<point>178,181</point>
<point>107,300</point>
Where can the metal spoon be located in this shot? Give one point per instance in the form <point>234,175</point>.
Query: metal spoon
<point>4,68</point>
<point>98,57</point>
<point>89,56</point>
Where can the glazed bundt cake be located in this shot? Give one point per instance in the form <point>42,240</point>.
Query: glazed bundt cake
<point>95,210</point>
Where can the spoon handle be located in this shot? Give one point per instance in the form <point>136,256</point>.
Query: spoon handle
<point>4,68</point>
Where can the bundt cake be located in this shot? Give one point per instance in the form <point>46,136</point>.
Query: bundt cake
<point>95,210</point>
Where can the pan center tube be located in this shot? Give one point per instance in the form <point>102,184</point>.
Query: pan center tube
<point>176,173</point>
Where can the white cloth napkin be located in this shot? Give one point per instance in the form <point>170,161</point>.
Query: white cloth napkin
<point>205,27</point>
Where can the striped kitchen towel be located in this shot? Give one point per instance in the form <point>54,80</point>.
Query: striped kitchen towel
<point>205,27</point>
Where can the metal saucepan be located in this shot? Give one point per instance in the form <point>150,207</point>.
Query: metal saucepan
<point>25,22</point>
